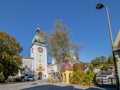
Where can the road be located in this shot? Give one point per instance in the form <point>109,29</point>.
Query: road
<point>43,85</point>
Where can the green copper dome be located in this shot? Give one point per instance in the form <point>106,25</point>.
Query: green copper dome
<point>38,38</point>
<point>71,52</point>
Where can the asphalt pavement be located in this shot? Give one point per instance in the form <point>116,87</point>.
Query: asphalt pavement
<point>43,85</point>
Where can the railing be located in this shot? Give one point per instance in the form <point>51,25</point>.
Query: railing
<point>111,82</point>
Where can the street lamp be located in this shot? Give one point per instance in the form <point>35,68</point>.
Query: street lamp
<point>100,6</point>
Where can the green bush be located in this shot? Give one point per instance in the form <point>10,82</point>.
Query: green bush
<point>82,78</point>
<point>17,80</point>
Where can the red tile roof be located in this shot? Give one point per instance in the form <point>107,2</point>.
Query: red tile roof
<point>66,66</point>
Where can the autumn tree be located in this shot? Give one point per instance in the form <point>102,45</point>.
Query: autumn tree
<point>98,61</point>
<point>110,60</point>
<point>102,62</point>
<point>59,43</point>
<point>78,67</point>
<point>10,60</point>
<point>91,67</point>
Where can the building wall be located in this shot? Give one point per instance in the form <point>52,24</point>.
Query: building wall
<point>40,59</point>
<point>27,65</point>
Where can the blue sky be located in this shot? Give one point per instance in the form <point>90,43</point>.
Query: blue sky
<point>88,25</point>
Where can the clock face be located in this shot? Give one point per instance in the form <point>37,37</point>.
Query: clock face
<point>40,49</point>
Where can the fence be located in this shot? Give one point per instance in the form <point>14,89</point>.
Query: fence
<point>110,82</point>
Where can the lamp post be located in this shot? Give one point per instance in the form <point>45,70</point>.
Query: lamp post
<point>100,6</point>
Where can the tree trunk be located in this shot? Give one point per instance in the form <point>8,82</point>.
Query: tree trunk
<point>6,75</point>
<point>59,68</point>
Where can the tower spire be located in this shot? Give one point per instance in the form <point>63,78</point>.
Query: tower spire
<point>38,28</point>
<point>38,25</point>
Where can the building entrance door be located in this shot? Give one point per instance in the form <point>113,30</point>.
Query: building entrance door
<point>40,75</point>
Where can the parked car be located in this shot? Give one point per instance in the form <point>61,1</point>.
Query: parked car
<point>30,77</point>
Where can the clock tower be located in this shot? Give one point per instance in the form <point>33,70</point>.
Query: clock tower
<point>38,52</point>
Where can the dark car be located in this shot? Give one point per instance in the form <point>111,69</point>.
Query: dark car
<point>30,77</point>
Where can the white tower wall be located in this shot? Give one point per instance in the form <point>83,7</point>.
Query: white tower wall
<point>40,58</point>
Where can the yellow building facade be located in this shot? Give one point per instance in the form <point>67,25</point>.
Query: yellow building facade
<point>67,71</point>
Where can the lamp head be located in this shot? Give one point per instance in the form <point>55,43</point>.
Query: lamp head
<point>99,6</point>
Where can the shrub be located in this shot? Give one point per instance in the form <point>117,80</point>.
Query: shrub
<point>77,77</point>
<point>82,78</point>
<point>17,80</point>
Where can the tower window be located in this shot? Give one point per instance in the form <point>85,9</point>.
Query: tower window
<point>39,60</point>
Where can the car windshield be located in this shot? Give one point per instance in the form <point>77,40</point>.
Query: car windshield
<point>30,76</point>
